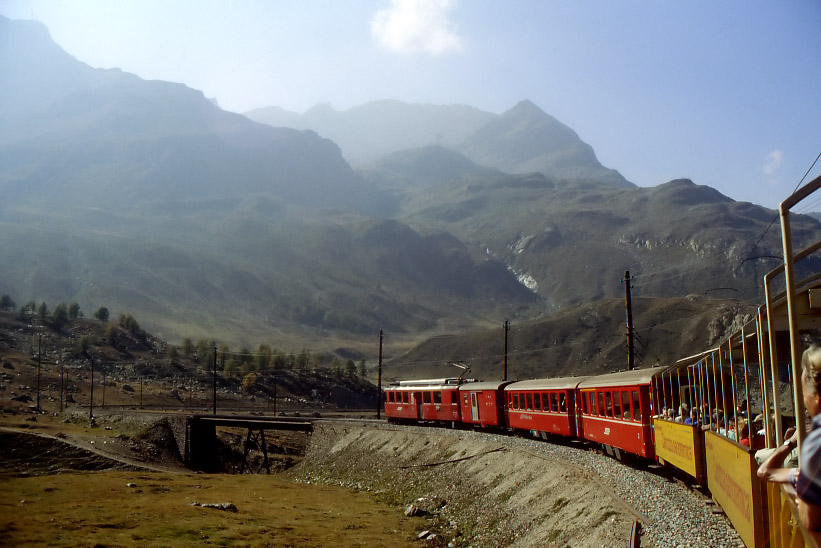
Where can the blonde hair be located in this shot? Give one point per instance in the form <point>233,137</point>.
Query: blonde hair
<point>811,363</point>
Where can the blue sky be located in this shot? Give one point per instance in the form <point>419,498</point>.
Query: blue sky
<point>725,93</point>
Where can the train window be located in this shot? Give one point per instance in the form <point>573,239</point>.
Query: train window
<point>529,400</point>
<point>608,404</point>
<point>616,405</point>
<point>466,399</point>
<point>437,397</point>
<point>515,401</point>
<point>636,406</point>
<point>601,404</point>
<point>425,397</point>
<point>593,410</point>
<point>585,400</point>
<point>386,396</point>
<point>562,402</point>
<point>554,404</point>
<point>625,403</point>
<point>404,397</point>
<point>537,401</point>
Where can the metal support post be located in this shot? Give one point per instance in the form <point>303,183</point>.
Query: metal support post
<point>631,364</point>
<point>507,329</point>
<point>379,381</point>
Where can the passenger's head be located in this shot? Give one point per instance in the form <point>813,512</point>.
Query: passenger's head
<point>811,377</point>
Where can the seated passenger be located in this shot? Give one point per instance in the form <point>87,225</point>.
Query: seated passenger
<point>741,410</point>
<point>744,433</point>
<point>764,453</point>
<point>807,480</point>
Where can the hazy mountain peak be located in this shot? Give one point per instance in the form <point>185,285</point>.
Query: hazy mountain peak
<point>321,111</point>
<point>525,139</point>
<point>684,192</point>
<point>33,68</point>
<point>525,107</point>
<point>120,140</point>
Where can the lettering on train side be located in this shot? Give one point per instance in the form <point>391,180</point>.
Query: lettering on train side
<point>677,448</point>
<point>738,496</point>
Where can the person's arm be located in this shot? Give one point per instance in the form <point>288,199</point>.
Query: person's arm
<point>809,514</point>
<point>771,470</point>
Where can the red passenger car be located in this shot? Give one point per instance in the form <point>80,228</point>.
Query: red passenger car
<point>543,406</point>
<point>482,403</point>
<point>423,400</point>
<point>616,411</point>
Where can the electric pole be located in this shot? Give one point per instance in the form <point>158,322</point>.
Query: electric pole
<point>91,398</point>
<point>507,329</point>
<point>379,381</point>
<point>62,359</point>
<point>630,347</point>
<point>39,354</point>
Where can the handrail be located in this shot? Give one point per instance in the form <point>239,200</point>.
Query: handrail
<point>789,274</point>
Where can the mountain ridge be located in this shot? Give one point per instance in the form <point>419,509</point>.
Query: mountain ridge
<point>523,139</point>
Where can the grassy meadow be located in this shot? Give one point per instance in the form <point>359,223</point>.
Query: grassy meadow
<point>155,509</point>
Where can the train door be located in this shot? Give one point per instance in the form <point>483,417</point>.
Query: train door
<point>571,409</point>
<point>417,398</point>
<point>474,407</point>
<point>646,418</point>
<point>588,407</point>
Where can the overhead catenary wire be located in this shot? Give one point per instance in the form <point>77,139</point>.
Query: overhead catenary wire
<point>575,342</point>
<point>777,215</point>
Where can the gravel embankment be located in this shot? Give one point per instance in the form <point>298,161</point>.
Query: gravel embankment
<point>495,490</point>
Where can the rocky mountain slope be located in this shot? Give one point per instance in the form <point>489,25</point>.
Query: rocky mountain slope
<point>146,198</point>
<point>580,340</point>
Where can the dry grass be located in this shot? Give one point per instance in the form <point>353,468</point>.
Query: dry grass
<point>100,509</point>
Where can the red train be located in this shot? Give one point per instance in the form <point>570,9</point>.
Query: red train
<point>701,415</point>
<point>613,410</point>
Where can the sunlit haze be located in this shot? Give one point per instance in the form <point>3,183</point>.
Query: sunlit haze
<point>723,93</point>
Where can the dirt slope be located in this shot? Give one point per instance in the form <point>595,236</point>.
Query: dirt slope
<point>466,484</point>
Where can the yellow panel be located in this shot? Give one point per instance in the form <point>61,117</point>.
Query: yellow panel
<point>731,479</point>
<point>676,444</point>
<point>784,531</point>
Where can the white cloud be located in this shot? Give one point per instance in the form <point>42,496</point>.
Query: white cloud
<point>416,26</point>
<point>773,162</point>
